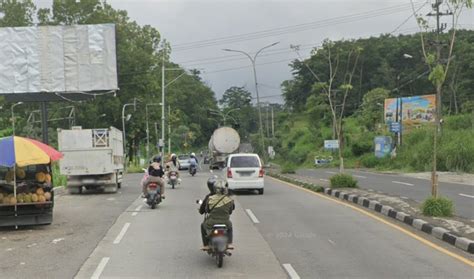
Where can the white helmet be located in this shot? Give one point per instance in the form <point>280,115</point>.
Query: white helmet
<point>192,154</point>
<point>173,155</point>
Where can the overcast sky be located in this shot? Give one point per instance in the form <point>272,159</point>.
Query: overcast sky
<point>184,22</point>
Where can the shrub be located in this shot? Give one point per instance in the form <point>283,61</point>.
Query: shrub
<point>360,148</point>
<point>369,161</point>
<point>437,207</point>
<point>343,180</point>
<point>58,179</point>
<point>288,168</point>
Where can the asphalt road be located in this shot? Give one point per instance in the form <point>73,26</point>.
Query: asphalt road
<point>59,250</point>
<point>414,188</point>
<point>286,231</point>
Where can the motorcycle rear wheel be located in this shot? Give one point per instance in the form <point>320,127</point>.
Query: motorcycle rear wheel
<point>220,259</point>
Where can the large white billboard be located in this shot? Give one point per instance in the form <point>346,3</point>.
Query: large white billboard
<point>58,59</point>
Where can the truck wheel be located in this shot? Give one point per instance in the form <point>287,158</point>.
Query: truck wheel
<point>260,191</point>
<point>119,185</point>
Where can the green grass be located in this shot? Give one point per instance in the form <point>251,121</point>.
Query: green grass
<point>343,180</point>
<point>58,179</point>
<point>437,207</point>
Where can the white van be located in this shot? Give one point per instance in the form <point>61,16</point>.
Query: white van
<point>244,171</point>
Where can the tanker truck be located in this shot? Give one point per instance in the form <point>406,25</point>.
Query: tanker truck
<point>224,141</point>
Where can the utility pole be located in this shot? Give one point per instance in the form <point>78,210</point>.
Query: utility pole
<point>267,124</point>
<point>440,27</point>
<point>169,129</point>
<point>162,141</point>
<point>273,125</point>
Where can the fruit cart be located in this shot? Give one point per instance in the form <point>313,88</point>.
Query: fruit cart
<point>26,186</point>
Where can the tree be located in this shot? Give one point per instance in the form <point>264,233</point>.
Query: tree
<point>372,107</point>
<point>16,13</point>
<point>335,83</point>
<point>438,69</point>
<point>237,105</point>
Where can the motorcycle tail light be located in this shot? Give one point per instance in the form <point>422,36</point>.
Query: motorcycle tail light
<point>152,186</point>
<point>261,173</point>
<point>229,173</point>
<point>218,232</point>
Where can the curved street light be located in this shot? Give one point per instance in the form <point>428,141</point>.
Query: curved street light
<point>253,59</point>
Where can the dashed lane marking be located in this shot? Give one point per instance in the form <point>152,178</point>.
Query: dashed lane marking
<point>467,196</point>
<point>291,271</point>
<point>137,210</point>
<point>252,216</point>
<point>325,180</point>
<point>359,176</point>
<point>402,183</point>
<point>122,233</point>
<point>100,268</point>
<point>332,172</point>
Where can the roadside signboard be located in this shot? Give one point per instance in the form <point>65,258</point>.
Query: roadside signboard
<point>395,127</point>
<point>331,144</point>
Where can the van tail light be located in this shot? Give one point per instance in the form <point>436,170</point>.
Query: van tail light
<point>229,173</point>
<point>261,173</point>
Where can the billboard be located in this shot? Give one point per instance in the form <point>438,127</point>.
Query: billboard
<point>57,59</point>
<point>412,111</point>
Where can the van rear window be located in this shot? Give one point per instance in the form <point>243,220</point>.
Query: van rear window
<point>244,162</point>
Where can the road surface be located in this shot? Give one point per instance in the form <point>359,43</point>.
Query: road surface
<point>286,233</point>
<point>414,188</point>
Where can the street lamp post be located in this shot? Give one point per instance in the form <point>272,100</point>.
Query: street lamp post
<point>148,128</point>
<point>13,116</point>
<point>253,59</point>
<point>124,139</point>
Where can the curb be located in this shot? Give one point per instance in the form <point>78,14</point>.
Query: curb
<point>59,190</point>
<point>441,233</point>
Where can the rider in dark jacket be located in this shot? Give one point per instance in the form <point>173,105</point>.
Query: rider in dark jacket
<point>218,206</point>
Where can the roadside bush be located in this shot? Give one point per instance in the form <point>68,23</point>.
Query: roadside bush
<point>343,180</point>
<point>437,207</point>
<point>369,161</point>
<point>360,148</point>
<point>58,179</point>
<point>288,168</point>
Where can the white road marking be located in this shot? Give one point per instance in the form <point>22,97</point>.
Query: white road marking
<point>122,233</point>
<point>291,271</point>
<point>252,216</point>
<point>332,242</point>
<point>136,210</point>
<point>100,268</point>
<point>467,196</point>
<point>359,176</point>
<point>405,198</point>
<point>57,240</point>
<point>332,172</point>
<point>111,199</point>
<point>322,179</point>
<point>403,183</point>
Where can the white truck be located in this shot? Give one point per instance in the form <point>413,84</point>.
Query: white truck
<point>224,141</point>
<point>93,158</point>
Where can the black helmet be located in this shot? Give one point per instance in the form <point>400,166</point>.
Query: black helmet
<point>210,183</point>
<point>157,159</point>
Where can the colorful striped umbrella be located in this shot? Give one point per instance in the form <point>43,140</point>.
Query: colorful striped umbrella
<point>22,152</point>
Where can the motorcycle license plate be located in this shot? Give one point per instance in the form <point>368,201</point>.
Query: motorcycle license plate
<point>152,192</point>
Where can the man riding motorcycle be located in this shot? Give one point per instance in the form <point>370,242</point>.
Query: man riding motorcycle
<point>193,162</point>
<point>173,165</point>
<point>218,206</point>
<point>155,174</point>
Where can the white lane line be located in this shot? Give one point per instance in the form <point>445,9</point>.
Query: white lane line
<point>252,216</point>
<point>403,183</point>
<point>331,172</point>
<point>325,180</point>
<point>467,196</point>
<point>122,233</point>
<point>332,242</point>
<point>136,210</point>
<point>359,176</point>
<point>291,271</point>
<point>100,268</point>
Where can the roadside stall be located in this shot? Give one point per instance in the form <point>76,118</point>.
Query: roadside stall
<point>26,186</point>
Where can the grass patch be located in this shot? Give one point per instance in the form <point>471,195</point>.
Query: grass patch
<point>58,178</point>
<point>343,180</point>
<point>288,168</point>
<point>437,207</point>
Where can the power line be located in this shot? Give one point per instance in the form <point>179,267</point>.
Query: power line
<point>294,28</point>
<point>408,18</point>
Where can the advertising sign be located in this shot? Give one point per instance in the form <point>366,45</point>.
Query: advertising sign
<point>331,144</point>
<point>412,111</point>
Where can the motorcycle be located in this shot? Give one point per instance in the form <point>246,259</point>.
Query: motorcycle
<point>153,195</point>
<point>173,178</point>
<point>218,242</point>
<point>192,170</point>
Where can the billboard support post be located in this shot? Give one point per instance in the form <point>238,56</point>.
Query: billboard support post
<point>44,122</point>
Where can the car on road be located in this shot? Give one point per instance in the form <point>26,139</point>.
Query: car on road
<point>244,171</point>
<point>183,160</point>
